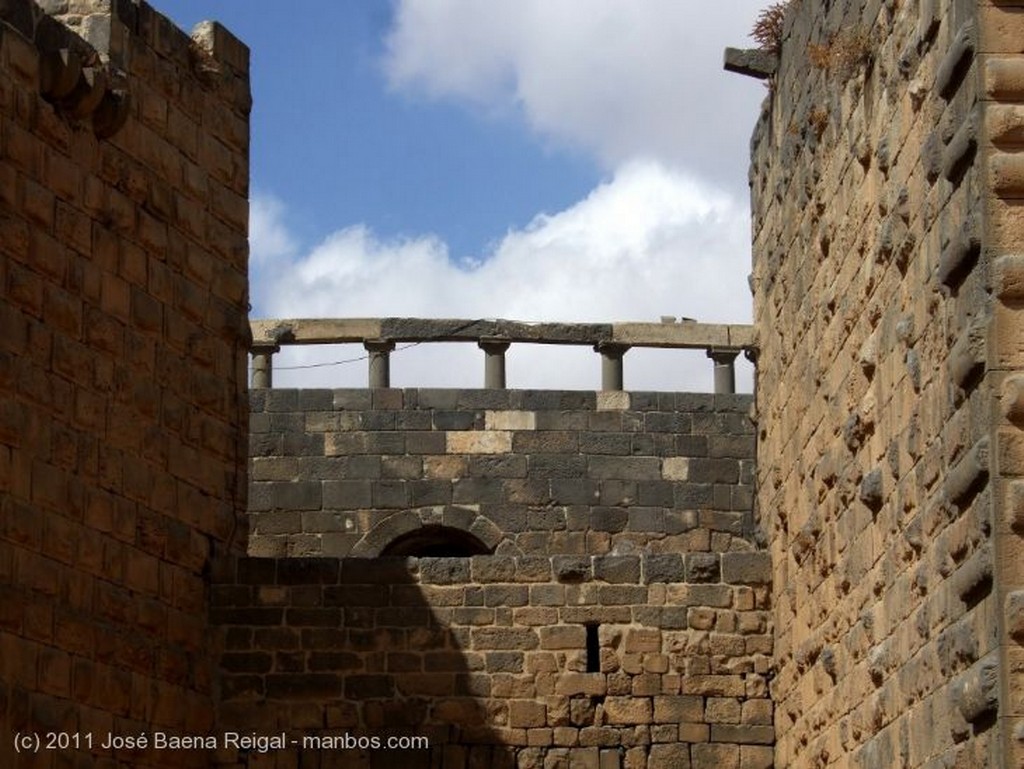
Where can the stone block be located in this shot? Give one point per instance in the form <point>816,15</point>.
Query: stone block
<point>669,756</point>
<point>747,568</point>
<point>628,710</point>
<point>503,638</point>
<point>574,491</point>
<point>477,491</point>
<point>589,684</point>
<point>609,519</point>
<point>668,567</point>
<point>703,567</point>
<point>756,757</point>
<point>496,400</point>
<point>678,708</point>
<point>701,470</point>
<point>457,420</point>
<point>563,637</point>
<point>504,662</point>
<point>479,442</point>
<point>617,568</point>
<point>547,466</point>
<point>642,640</point>
<point>510,420</point>
<point>346,495</point>
<point>608,400</point>
<point>526,714</point>
<point>625,468</point>
<point>622,595</point>
<point>712,756</point>
<point>425,443</point>
<point>550,442</point>
<point>424,493</point>
<point>610,443</point>
<point>498,466</point>
<point>506,595</point>
<point>444,571</point>
<point>742,734</point>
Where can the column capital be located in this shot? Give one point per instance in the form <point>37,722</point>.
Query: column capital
<point>723,355</point>
<point>611,349</point>
<point>493,345</point>
<point>378,345</point>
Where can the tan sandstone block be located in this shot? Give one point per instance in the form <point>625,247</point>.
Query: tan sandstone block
<point>510,420</point>
<point>612,400</point>
<point>675,469</point>
<point>526,713</point>
<point>479,442</point>
<point>628,710</point>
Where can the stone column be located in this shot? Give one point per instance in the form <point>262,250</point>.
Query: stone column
<point>494,362</point>
<point>611,364</point>
<point>262,365</point>
<point>380,362</point>
<point>725,373</point>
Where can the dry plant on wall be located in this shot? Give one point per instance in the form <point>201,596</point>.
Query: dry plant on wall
<point>844,54</point>
<point>767,31</point>
<point>818,121</point>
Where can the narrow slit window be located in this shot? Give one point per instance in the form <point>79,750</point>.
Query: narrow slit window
<point>593,649</point>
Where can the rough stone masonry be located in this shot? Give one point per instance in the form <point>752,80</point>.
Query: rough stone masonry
<point>888,182</point>
<point>604,604</point>
<point>612,605</point>
<point>123,339</point>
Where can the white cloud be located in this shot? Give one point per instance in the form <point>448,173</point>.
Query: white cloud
<point>269,238</point>
<point>618,78</point>
<point>649,242</point>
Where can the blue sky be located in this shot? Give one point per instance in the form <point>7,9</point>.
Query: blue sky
<point>530,159</point>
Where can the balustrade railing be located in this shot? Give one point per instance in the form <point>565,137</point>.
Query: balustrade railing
<point>379,337</point>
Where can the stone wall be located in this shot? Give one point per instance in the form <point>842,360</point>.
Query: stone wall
<point>346,472</point>
<point>123,289</point>
<point>489,658</point>
<point>886,186</point>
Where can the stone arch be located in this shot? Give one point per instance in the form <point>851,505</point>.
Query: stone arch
<point>435,541</point>
<point>463,525</point>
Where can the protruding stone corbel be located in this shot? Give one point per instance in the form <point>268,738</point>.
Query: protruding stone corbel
<point>976,691</point>
<point>968,355</point>
<point>81,87</point>
<point>956,62</point>
<point>958,258</point>
<point>959,153</point>
<point>59,72</point>
<point>969,474</point>
<point>1008,277</point>
<point>111,115</point>
<point>1013,398</point>
<point>752,62</point>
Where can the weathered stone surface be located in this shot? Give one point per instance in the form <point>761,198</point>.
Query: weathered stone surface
<point>753,62</point>
<point>882,429</point>
<point>595,479</point>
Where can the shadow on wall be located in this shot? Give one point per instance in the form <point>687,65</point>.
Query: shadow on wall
<point>359,664</point>
<point>641,661</point>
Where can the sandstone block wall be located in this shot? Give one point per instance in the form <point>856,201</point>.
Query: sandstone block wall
<point>123,295</point>
<point>886,186</point>
<point>600,662</point>
<point>346,472</point>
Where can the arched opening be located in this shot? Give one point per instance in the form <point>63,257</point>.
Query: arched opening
<point>436,542</point>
